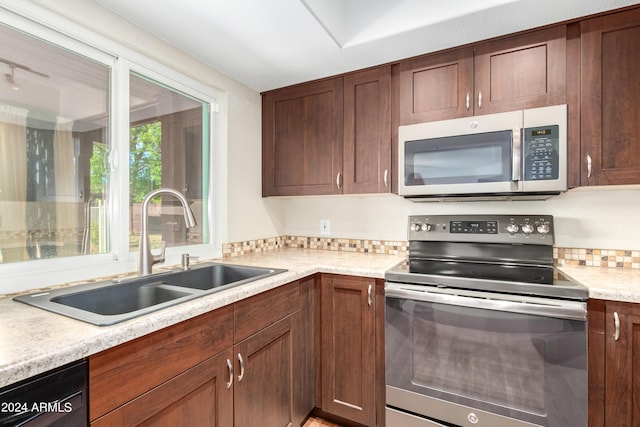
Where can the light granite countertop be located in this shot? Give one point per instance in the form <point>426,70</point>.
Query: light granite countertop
<point>33,341</point>
<point>616,284</point>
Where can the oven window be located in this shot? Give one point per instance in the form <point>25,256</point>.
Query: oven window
<point>501,363</point>
<point>528,367</point>
<point>461,159</point>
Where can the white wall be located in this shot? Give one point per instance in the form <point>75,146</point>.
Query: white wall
<point>600,218</point>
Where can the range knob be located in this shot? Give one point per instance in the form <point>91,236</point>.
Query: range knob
<point>543,228</point>
<point>420,227</point>
<point>513,228</point>
<point>527,228</point>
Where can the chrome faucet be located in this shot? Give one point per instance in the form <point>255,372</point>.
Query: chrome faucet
<point>146,258</point>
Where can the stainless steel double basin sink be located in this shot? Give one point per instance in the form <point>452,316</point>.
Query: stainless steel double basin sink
<point>107,303</point>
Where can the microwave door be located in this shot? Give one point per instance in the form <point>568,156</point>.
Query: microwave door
<point>463,156</point>
<point>466,164</point>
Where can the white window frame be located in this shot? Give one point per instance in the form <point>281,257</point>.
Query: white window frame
<point>28,275</point>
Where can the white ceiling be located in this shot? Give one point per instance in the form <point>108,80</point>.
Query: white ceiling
<point>267,44</point>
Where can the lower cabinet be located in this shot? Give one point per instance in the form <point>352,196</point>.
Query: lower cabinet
<point>264,387</point>
<point>352,366</point>
<point>614,354</point>
<point>120,375</point>
<point>255,362</point>
<point>201,396</point>
<point>246,364</point>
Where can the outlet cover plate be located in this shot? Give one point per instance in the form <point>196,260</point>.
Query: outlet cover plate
<point>325,227</point>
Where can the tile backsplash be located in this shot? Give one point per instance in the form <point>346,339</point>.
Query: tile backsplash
<point>597,257</point>
<point>608,258</point>
<point>322,243</point>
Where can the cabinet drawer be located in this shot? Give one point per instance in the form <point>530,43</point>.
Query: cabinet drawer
<point>203,395</point>
<point>256,313</point>
<point>122,373</point>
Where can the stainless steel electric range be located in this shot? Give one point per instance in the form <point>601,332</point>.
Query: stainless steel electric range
<point>481,329</point>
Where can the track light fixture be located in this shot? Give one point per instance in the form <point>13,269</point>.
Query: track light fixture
<point>10,78</point>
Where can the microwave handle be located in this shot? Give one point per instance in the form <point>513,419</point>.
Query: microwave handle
<point>516,154</point>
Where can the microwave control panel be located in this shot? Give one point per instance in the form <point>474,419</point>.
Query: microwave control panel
<point>541,158</point>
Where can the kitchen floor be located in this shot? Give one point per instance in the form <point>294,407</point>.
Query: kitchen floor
<point>319,422</point>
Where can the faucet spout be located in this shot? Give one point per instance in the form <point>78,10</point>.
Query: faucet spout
<point>146,258</point>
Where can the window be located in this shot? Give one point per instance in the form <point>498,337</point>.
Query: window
<point>166,149</point>
<point>73,175</point>
<point>53,135</point>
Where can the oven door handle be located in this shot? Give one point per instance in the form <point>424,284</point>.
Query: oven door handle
<point>572,310</point>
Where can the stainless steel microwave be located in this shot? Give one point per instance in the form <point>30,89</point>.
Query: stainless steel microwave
<point>515,155</point>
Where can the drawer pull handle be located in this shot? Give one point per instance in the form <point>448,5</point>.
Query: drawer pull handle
<point>588,166</point>
<point>241,360</point>
<point>480,99</point>
<point>468,101</point>
<point>386,178</point>
<point>616,322</point>
<point>369,294</point>
<point>230,366</point>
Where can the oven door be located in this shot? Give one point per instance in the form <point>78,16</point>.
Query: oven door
<point>481,359</point>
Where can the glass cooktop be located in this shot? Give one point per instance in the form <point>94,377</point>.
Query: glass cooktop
<point>504,278</point>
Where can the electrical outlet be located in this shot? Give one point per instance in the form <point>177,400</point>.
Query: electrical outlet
<point>325,227</point>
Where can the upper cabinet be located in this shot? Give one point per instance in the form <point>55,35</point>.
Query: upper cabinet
<point>610,99</point>
<point>523,71</point>
<point>437,87</point>
<point>328,137</point>
<point>335,136</point>
<point>367,132</point>
<point>302,139</point>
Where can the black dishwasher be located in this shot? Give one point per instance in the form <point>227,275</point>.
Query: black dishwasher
<point>56,398</point>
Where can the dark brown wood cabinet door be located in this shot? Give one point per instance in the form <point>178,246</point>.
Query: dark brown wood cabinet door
<point>610,61</point>
<point>367,132</point>
<point>122,373</point>
<point>622,377</point>
<point>264,369</point>
<point>437,87</point>
<point>200,396</point>
<point>302,139</point>
<point>524,71</point>
<point>348,348</point>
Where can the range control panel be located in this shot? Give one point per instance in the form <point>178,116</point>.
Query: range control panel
<point>526,229</point>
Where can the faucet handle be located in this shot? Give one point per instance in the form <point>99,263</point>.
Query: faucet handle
<point>160,257</point>
<point>185,260</point>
